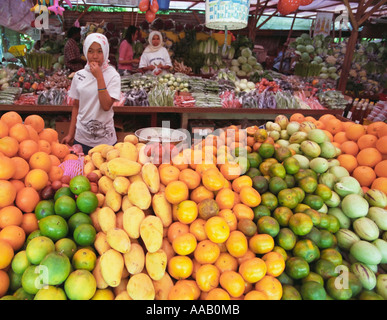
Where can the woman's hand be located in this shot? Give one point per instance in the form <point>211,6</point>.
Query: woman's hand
<point>67,140</point>
<point>95,69</point>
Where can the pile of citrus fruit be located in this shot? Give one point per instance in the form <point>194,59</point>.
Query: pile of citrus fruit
<point>251,214</point>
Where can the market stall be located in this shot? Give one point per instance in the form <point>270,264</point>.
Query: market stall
<point>242,183</point>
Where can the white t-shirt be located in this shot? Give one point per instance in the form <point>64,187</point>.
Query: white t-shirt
<point>94,125</point>
<point>155,58</point>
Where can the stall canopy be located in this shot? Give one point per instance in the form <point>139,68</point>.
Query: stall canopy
<point>16,14</point>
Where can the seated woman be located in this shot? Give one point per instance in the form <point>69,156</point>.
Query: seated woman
<point>155,57</point>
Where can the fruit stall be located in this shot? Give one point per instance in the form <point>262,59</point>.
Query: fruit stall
<point>285,199</point>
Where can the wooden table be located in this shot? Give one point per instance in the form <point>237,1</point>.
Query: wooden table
<point>186,113</point>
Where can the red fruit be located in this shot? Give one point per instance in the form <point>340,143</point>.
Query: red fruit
<point>143,5</point>
<point>150,16</point>
<point>286,7</point>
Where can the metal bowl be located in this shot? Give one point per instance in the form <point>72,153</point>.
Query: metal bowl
<point>160,134</point>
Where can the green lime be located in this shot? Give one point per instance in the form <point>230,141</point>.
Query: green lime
<point>268,225</point>
<point>32,235</point>
<point>301,224</point>
<point>32,281</point>
<point>244,164</point>
<point>38,248</point>
<point>269,200</point>
<point>314,201</point>
<point>266,150</point>
<point>290,293</point>
<point>63,191</point>
<point>54,227</point>
<point>79,184</point>
<point>66,246</point>
<point>308,184</point>
<point>260,183</point>
<point>307,250</point>
<point>297,268</point>
<point>326,269</point>
<point>261,211</point>
<point>76,219</point>
<point>282,215</point>
<point>313,276</point>
<point>287,198</point>
<point>277,170</point>
<point>65,206</point>
<point>276,184</point>
<point>334,224</point>
<point>300,194</point>
<point>84,234</point>
<point>58,267</point>
<point>327,240</point>
<point>311,290</point>
<point>286,239</point>
<point>290,181</point>
<point>253,172</point>
<point>87,202</point>
<point>292,166</point>
<point>20,262</point>
<point>323,191</point>
<point>332,255</point>
<point>44,208</point>
<point>281,153</point>
<point>314,215</point>
<point>338,292</point>
<point>255,159</point>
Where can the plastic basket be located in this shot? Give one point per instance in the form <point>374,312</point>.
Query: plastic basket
<point>72,167</point>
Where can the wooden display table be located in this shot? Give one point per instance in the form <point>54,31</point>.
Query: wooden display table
<point>186,113</point>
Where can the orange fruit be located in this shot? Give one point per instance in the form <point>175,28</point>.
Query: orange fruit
<point>348,161</point>
<point>197,229</point>
<point>217,229</point>
<point>180,267</point>
<point>193,285</point>
<point>237,244</point>
<point>374,127</point>
<point>380,184</point>
<point>37,179</point>
<point>18,184</point>
<point>230,218</point>
<point>3,129</point>
<point>253,270</point>
<point>35,121</point>
<point>367,141</point>
<point>19,132</point>
<point>365,175</point>
<point>181,291</point>
<point>49,135</point>
<point>355,131</point>
<point>4,283</point>
<point>6,254</point>
<point>187,211</point>
<point>206,252</point>
<point>225,198</point>
<point>9,146</point>
<point>184,244</point>
<point>32,133</point>
<point>298,117</point>
<point>40,160</point>
<point>176,229</point>
<point>270,286</point>
<point>168,173</point>
<point>27,199</point>
<point>213,179</point>
<point>255,295</point>
<point>381,144</point>
<point>261,243</point>
<point>243,211</point>
<point>329,135</point>
<point>190,177</point>
<point>59,149</point>
<point>14,235</point>
<point>70,156</point>
<point>176,192</point>
<point>9,216</point>
<point>21,167</point>
<point>217,294</point>
<point>242,181</point>
<point>55,173</point>
<point>44,146</point>
<point>369,157</point>
<point>326,117</point>
<point>226,262</point>
<point>7,168</point>
<point>233,283</point>
<point>201,193</point>
<point>381,169</point>
<point>11,118</point>
<point>201,167</point>
<point>340,137</point>
<point>249,196</point>
<point>27,148</point>
<point>349,147</point>
<point>7,193</point>
<point>207,277</point>
<point>320,125</point>
<point>275,263</point>
<point>382,131</point>
<point>29,223</point>
<point>54,160</point>
<point>230,170</point>
<point>333,126</point>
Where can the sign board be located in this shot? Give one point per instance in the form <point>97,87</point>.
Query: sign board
<point>323,24</point>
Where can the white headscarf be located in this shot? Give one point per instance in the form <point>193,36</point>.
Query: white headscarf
<point>103,41</point>
<point>151,47</point>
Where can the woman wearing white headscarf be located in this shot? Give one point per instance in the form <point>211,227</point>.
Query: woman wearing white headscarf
<point>155,57</point>
<point>94,90</point>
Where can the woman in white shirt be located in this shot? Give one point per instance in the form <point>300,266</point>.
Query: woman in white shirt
<point>94,90</point>
<point>155,57</point>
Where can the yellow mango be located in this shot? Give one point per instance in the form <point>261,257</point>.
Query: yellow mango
<point>112,154</point>
<point>113,200</point>
<point>132,219</point>
<point>105,184</point>
<point>162,208</point>
<point>131,138</point>
<point>118,239</point>
<point>98,173</point>
<point>98,148</point>
<point>162,287</point>
<point>121,185</point>
<point>129,151</point>
<point>123,284</point>
<point>97,273</point>
<point>120,219</point>
<point>105,150</point>
<point>100,243</point>
<point>151,232</point>
<point>142,157</point>
<point>101,199</point>
<point>151,176</point>
<point>136,177</point>
<point>97,159</point>
<point>103,168</point>
<point>124,295</point>
<point>88,168</point>
<point>156,264</point>
<point>139,195</point>
<point>112,265</point>
<point>123,167</point>
<point>140,287</point>
<point>106,219</point>
<point>126,203</point>
<point>134,259</point>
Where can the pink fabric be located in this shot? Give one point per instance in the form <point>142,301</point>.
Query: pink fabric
<point>125,53</point>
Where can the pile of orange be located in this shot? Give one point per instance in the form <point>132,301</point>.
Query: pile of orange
<point>363,148</point>
<point>29,158</point>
